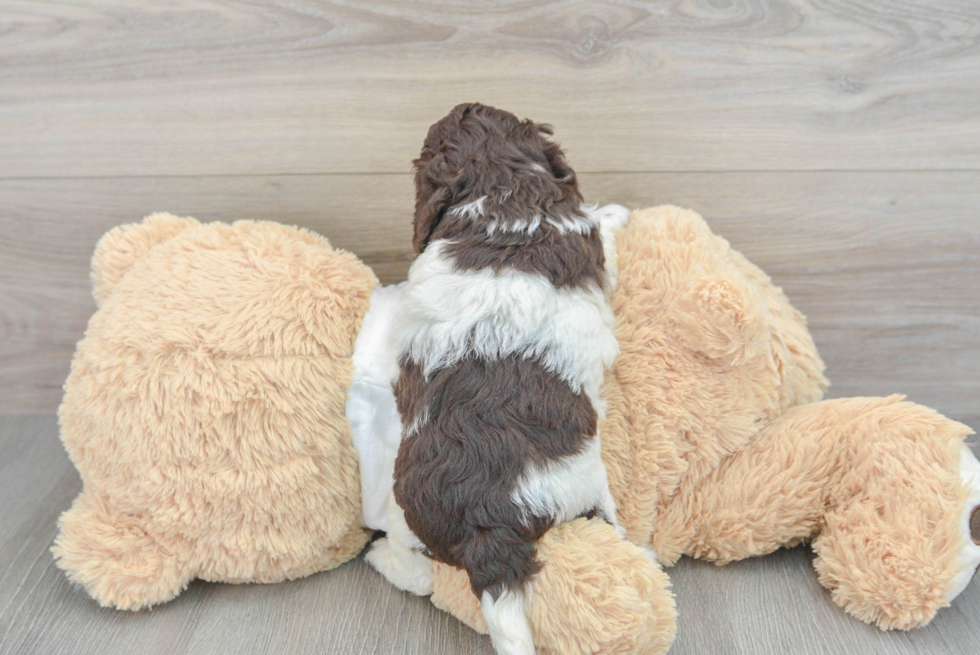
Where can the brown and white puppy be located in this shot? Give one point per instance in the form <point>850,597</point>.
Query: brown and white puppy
<point>506,332</point>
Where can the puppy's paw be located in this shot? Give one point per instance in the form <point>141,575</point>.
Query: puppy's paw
<point>406,569</point>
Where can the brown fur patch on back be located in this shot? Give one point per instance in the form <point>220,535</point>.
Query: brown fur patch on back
<point>480,425</point>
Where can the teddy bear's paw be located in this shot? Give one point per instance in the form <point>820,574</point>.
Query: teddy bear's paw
<point>892,554</point>
<point>596,595</point>
<point>115,559</point>
<point>599,594</point>
<point>968,559</point>
<point>407,569</point>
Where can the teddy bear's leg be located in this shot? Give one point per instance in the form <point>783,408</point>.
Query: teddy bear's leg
<point>969,556</point>
<point>874,482</point>
<point>398,556</point>
<point>111,555</point>
<point>895,555</point>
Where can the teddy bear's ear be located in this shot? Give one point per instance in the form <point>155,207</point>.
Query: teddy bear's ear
<point>723,318</point>
<point>123,246</point>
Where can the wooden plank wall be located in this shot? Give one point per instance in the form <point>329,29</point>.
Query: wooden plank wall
<point>835,142</point>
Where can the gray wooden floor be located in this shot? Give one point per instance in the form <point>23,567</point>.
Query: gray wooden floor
<point>835,142</point>
<point>768,606</point>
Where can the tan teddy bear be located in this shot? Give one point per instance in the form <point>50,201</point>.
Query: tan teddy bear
<point>229,413</point>
<point>716,447</point>
<point>205,410</point>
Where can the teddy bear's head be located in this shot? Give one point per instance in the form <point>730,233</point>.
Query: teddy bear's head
<point>205,409</point>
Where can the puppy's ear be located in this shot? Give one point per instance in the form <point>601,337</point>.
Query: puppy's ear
<point>556,158</point>
<point>436,170</point>
<point>433,194</point>
<point>462,110</point>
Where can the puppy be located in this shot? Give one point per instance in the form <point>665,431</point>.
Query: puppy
<point>506,334</point>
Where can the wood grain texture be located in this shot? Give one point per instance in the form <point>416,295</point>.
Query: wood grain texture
<point>232,87</point>
<point>767,606</point>
<point>835,142</point>
<point>884,264</point>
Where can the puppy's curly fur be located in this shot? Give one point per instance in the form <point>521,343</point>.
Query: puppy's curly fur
<point>506,336</point>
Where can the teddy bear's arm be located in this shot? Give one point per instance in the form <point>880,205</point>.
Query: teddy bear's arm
<point>596,594</point>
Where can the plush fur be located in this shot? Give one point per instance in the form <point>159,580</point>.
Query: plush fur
<point>714,442</point>
<point>716,449</point>
<point>597,594</point>
<point>205,410</point>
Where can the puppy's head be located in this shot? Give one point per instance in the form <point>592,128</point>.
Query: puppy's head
<point>480,152</point>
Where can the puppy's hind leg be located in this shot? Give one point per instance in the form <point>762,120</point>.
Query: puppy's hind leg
<point>398,556</point>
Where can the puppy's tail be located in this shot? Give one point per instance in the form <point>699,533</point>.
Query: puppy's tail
<point>500,563</point>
